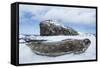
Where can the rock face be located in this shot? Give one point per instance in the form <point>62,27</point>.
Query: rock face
<point>54,49</point>
<point>48,28</point>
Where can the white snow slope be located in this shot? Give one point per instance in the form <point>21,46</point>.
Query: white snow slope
<point>27,56</point>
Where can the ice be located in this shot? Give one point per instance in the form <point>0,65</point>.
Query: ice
<point>27,56</point>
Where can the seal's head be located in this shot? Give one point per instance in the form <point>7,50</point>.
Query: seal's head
<point>86,44</point>
<point>81,46</point>
<point>87,41</point>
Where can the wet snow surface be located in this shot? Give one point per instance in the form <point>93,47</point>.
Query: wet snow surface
<point>27,56</point>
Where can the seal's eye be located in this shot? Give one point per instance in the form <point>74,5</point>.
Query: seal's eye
<point>87,41</point>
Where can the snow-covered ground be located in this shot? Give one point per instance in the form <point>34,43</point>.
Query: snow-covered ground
<point>27,56</point>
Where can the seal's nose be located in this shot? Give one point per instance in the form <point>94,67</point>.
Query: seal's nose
<point>87,41</point>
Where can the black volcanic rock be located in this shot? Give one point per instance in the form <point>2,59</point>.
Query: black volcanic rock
<point>47,28</point>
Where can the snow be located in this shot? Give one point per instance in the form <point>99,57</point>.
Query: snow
<point>21,41</point>
<point>27,56</point>
<point>59,37</point>
<point>58,24</point>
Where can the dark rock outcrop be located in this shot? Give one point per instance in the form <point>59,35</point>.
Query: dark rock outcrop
<point>62,47</point>
<point>47,28</point>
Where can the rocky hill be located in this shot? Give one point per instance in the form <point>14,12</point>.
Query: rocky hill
<point>50,28</point>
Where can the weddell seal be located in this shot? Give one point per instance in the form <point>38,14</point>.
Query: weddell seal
<point>66,46</point>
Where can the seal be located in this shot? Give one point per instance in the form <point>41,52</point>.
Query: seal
<point>58,48</point>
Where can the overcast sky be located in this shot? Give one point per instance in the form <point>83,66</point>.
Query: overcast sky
<point>81,19</point>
